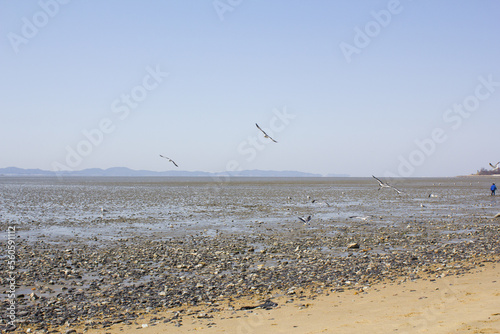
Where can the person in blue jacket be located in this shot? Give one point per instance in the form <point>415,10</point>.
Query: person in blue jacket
<point>493,189</point>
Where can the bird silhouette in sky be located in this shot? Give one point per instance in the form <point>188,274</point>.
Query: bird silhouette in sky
<point>265,134</point>
<point>172,161</point>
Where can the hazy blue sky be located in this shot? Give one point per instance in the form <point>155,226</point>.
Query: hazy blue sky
<point>402,88</point>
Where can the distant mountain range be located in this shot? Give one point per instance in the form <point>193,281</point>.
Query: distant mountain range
<point>123,171</point>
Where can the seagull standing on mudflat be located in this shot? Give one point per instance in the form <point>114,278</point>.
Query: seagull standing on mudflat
<point>265,134</point>
<point>385,185</point>
<point>103,212</point>
<point>172,161</point>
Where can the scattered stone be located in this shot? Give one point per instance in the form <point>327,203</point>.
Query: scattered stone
<point>131,270</point>
<point>267,305</point>
<point>202,315</point>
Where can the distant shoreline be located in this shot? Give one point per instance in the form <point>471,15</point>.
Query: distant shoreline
<point>127,172</point>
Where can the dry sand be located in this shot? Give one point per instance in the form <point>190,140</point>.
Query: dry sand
<point>451,304</point>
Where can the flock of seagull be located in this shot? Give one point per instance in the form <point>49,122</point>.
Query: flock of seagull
<point>381,183</point>
<point>258,127</point>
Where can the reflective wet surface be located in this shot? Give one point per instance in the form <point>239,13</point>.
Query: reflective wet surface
<point>113,207</point>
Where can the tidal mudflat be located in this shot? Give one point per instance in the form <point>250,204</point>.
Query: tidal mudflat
<point>91,253</point>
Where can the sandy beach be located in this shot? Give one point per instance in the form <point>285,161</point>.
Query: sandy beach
<point>468,303</point>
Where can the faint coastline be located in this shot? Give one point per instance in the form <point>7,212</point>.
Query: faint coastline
<point>124,172</point>
<point>488,172</point>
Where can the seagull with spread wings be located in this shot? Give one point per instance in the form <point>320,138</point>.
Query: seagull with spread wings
<point>385,185</point>
<point>497,166</point>
<point>172,161</point>
<point>265,134</point>
<point>305,220</point>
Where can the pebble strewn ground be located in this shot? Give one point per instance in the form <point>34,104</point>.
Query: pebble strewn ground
<point>159,244</point>
<point>101,283</point>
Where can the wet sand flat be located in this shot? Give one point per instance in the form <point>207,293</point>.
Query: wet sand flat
<point>97,254</point>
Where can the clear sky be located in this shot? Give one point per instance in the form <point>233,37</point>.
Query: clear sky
<point>401,88</point>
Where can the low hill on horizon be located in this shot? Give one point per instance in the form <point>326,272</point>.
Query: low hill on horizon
<point>124,171</point>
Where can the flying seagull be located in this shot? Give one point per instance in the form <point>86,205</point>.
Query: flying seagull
<point>315,201</point>
<point>172,161</point>
<point>385,185</point>
<point>497,166</point>
<point>265,134</point>
<point>305,220</point>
